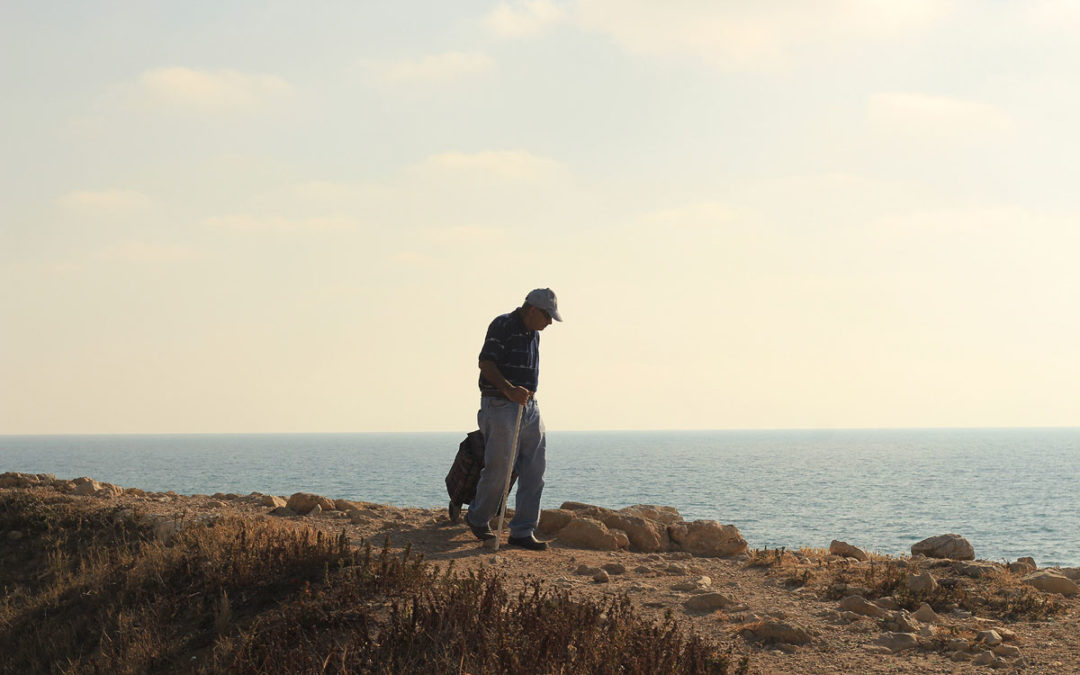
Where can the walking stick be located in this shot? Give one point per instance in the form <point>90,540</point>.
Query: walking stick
<point>494,543</point>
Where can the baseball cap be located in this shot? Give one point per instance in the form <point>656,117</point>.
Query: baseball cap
<point>545,299</point>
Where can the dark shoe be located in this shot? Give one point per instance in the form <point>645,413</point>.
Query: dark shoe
<point>530,542</point>
<point>482,532</point>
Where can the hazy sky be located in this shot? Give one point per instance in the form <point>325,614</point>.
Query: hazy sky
<point>283,216</point>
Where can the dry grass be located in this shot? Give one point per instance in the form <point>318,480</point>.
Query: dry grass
<point>90,589</point>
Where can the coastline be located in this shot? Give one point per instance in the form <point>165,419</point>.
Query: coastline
<point>840,613</point>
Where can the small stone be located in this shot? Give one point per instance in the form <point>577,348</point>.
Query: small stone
<point>1007,651</point>
<point>926,614</point>
<point>842,548</point>
<point>854,603</point>
<point>958,645</point>
<point>1051,582</point>
<point>643,569</point>
<point>698,584</point>
<point>887,603</point>
<point>708,602</point>
<point>675,570</point>
<point>990,637</point>
<point>921,584</point>
<point>898,641</point>
<point>272,501</point>
<point>615,568</point>
<point>601,577</point>
<point>587,570</point>
<point>959,656</point>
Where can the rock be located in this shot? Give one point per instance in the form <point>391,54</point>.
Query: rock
<point>983,659</point>
<point>1023,566</point>
<point>668,515</point>
<point>85,486</point>
<point>601,577</point>
<point>708,602</point>
<point>108,491</point>
<point>283,512</point>
<point>990,637</point>
<point>135,492</point>
<point>699,584</point>
<point>842,548</point>
<point>859,605</point>
<point>1007,651</point>
<point>588,533</point>
<point>272,501</point>
<point>1006,634</point>
<point>898,641</point>
<point>614,568</point>
<point>645,536</point>
<point>707,537</point>
<point>959,656</point>
<point>951,546</point>
<point>675,570</point>
<point>553,520</point>
<point>977,569</point>
<point>887,603</point>
<point>643,569</point>
<point>315,510</point>
<point>921,584</point>
<point>347,505</point>
<point>926,614</point>
<point>586,570</point>
<point>621,540</point>
<point>577,506</point>
<point>1071,572</point>
<point>902,622</point>
<point>303,502</point>
<point>771,631</point>
<point>1051,582</point>
<point>958,645</point>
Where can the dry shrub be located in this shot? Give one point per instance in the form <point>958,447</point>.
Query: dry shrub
<point>88,589</point>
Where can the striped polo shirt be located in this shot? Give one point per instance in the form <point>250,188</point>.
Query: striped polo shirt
<point>514,349</point>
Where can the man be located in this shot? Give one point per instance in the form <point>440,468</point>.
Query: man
<point>509,372</point>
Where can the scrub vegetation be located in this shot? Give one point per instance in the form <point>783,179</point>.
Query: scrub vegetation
<point>93,588</point>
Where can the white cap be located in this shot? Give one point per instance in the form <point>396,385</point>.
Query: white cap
<point>545,299</point>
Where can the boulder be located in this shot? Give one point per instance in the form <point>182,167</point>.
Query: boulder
<point>85,486</point>
<point>708,602</point>
<point>951,546</point>
<point>645,535</point>
<point>842,548</point>
<point>667,515</point>
<point>108,490</point>
<point>1071,572</point>
<point>14,479</point>
<point>553,520</point>
<point>921,584</point>
<point>1023,566</point>
<point>272,501</point>
<point>303,502</point>
<point>897,641</point>
<point>772,631</point>
<point>1051,582</point>
<point>707,537</point>
<point>588,533</point>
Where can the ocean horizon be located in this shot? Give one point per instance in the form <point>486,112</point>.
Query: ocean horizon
<point>1007,490</point>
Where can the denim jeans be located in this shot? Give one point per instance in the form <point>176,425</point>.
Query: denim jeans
<point>496,419</point>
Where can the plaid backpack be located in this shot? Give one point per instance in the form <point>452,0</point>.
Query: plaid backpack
<point>465,473</point>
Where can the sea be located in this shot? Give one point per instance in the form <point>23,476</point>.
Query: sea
<point>1010,492</point>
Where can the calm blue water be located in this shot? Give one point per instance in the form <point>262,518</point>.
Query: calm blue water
<point>1011,492</point>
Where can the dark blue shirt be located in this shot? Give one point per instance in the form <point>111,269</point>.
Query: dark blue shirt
<point>514,349</point>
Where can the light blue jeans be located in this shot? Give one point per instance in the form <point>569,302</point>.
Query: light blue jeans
<point>496,419</point>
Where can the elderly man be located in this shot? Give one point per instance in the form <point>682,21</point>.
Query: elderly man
<point>509,372</point>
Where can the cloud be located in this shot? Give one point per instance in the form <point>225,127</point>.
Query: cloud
<point>220,89</point>
<point>106,201</point>
<point>522,19</point>
<point>748,35</point>
<point>514,164</point>
<point>144,252</point>
<point>436,67</point>
<point>460,234</point>
<point>252,223</point>
<point>699,214</point>
<point>935,118</point>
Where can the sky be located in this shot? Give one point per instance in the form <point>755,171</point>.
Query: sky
<point>272,216</point>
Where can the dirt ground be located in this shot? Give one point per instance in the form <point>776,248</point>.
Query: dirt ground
<point>797,589</point>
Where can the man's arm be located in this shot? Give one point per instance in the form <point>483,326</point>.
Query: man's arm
<point>490,371</point>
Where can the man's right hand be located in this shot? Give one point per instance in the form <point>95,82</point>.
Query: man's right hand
<point>519,395</point>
